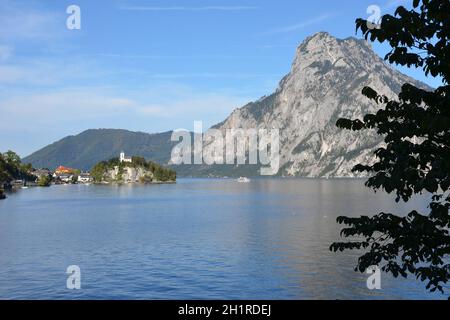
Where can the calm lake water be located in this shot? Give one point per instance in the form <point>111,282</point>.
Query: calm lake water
<point>198,239</point>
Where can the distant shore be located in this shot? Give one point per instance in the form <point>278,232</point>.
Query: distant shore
<point>115,183</point>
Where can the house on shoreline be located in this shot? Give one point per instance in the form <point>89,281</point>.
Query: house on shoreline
<point>64,175</point>
<point>61,170</point>
<point>85,177</point>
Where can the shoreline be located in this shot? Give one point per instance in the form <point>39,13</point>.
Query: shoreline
<point>128,183</point>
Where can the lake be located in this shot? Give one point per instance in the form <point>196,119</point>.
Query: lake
<point>197,239</point>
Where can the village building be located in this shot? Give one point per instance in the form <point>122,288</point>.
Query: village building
<point>85,177</point>
<point>61,170</point>
<point>65,178</point>
<point>39,173</point>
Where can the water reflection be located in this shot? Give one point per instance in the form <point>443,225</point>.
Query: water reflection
<point>197,239</point>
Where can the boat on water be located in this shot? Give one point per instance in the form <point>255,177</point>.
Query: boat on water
<point>243,180</point>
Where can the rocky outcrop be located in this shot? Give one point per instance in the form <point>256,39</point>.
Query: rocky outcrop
<point>129,175</point>
<point>138,170</point>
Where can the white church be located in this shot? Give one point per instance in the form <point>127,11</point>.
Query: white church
<point>124,159</point>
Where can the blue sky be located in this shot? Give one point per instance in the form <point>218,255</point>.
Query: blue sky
<point>149,65</point>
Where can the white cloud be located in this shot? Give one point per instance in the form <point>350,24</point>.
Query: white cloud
<point>66,104</point>
<point>33,120</point>
<point>207,75</point>
<point>183,8</point>
<point>19,21</point>
<point>301,25</point>
<point>395,3</point>
<point>5,52</point>
<point>202,105</point>
<point>50,71</point>
<point>11,74</point>
<point>93,105</point>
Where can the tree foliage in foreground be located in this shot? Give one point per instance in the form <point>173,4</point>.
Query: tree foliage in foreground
<point>416,156</point>
<point>11,168</point>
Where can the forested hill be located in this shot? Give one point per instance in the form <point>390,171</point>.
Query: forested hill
<point>86,149</point>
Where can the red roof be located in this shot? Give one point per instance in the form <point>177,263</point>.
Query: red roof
<point>64,169</point>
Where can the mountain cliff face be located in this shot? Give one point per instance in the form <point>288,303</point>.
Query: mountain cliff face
<point>324,84</point>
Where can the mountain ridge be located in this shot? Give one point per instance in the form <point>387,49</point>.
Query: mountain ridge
<point>324,84</point>
<point>91,146</point>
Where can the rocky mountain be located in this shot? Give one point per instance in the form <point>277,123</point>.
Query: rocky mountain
<point>324,84</point>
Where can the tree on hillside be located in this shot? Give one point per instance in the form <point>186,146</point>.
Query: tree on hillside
<point>11,168</point>
<point>98,171</point>
<point>44,181</point>
<point>4,174</point>
<point>12,158</point>
<point>416,156</point>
